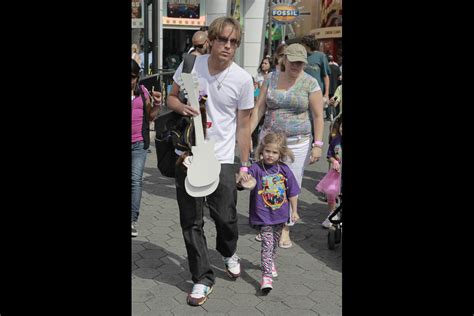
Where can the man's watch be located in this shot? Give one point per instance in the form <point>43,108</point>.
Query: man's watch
<point>245,163</point>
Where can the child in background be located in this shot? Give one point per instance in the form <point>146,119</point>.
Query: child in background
<point>331,183</point>
<point>276,188</point>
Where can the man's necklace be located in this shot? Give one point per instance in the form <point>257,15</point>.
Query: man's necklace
<point>219,86</point>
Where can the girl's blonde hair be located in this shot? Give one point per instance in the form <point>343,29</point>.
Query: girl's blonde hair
<point>278,139</point>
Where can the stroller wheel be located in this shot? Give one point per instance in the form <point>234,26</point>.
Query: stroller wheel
<point>332,238</point>
<point>338,234</point>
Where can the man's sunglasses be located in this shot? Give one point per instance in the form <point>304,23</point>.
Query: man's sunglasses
<point>134,76</point>
<point>199,46</point>
<point>224,41</point>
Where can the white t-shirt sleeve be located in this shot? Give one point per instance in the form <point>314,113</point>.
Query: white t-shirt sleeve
<point>177,74</point>
<point>246,100</point>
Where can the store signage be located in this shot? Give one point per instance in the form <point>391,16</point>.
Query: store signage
<point>328,32</point>
<point>184,22</point>
<point>285,13</point>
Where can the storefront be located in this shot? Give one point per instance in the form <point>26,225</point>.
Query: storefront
<point>177,20</point>
<point>330,32</point>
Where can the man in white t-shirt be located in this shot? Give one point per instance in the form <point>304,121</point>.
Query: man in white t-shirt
<point>230,100</point>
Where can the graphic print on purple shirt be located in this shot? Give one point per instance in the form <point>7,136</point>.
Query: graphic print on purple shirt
<point>273,192</point>
<point>260,213</point>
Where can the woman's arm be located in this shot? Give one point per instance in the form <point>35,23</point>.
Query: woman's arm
<point>260,107</point>
<point>316,105</point>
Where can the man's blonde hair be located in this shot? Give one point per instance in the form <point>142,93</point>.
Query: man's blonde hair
<point>218,25</point>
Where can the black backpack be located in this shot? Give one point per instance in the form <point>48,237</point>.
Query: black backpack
<point>173,131</point>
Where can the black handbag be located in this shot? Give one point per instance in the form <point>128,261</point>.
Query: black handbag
<point>173,131</point>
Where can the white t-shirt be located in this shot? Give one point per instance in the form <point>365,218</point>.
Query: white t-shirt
<point>236,93</point>
<point>260,78</point>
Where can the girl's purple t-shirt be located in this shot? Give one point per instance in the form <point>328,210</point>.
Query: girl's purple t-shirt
<point>269,204</point>
<point>137,116</point>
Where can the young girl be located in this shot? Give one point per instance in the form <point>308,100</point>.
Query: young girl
<point>276,188</point>
<point>331,183</point>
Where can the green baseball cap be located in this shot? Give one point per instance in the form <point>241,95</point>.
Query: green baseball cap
<point>296,52</point>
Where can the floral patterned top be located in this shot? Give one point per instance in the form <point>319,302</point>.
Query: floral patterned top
<point>287,110</point>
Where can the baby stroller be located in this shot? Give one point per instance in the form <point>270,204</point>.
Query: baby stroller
<point>335,231</point>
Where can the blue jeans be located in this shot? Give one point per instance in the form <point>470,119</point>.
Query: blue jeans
<point>138,165</point>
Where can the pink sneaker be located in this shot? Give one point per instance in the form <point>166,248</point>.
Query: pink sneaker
<point>274,271</point>
<point>266,285</point>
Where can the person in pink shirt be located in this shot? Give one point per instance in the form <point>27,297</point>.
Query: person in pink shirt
<point>142,114</point>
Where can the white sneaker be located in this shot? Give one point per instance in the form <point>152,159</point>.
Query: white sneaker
<point>134,229</point>
<point>198,295</point>
<point>232,266</point>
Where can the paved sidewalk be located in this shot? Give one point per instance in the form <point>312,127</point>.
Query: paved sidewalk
<point>310,275</point>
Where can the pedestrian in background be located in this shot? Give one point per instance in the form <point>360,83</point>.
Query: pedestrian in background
<point>336,100</point>
<point>263,71</point>
<point>230,99</point>
<point>262,74</point>
<point>334,77</point>
<point>142,114</point>
<point>135,53</point>
<point>278,55</point>
<point>285,99</point>
<point>318,67</point>
<point>276,188</point>
<point>200,44</point>
<point>330,184</point>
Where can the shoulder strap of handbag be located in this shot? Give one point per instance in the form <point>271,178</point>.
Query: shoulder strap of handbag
<point>140,90</point>
<point>188,63</point>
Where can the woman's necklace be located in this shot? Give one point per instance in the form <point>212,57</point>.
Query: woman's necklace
<point>263,166</point>
<point>219,86</point>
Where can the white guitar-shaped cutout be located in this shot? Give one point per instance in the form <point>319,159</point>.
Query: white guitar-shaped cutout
<point>205,168</point>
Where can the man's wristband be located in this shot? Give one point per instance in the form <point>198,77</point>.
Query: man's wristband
<point>244,169</point>
<point>317,143</point>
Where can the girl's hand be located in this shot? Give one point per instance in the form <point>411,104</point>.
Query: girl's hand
<point>243,177</point>
<point>246,181</point>
<point>315,155</point>
<point>294,216</point>
<point>336,165</point>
